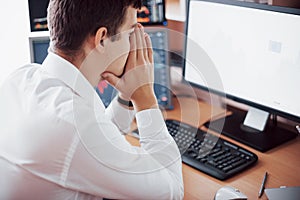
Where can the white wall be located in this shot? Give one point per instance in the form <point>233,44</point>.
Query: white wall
<point>15,29</point>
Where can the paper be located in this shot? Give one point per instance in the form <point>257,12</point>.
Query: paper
<point>256,119</point>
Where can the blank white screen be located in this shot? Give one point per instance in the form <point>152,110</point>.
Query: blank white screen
<point>256,53</point>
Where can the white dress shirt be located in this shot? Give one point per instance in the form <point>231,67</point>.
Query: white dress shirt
<point>57,141</point>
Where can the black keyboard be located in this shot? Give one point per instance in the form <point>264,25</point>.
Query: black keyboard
<point>209,153</point>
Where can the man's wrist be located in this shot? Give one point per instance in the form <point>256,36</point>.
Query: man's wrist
<point>147,103</point>
<point>126,103</point>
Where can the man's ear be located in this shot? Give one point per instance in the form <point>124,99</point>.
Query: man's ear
<point>100,36</point>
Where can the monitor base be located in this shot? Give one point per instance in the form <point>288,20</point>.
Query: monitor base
<point>271,137</point>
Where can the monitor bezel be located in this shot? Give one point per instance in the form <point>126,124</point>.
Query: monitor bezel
<point>266,7</point>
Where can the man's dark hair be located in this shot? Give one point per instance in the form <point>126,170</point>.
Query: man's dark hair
<point>71,21</point>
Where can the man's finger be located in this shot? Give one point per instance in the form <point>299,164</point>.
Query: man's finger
<point>132,54</point>
<point>111,78</point>
<point>149,48</point>
<point>139,42</point>
<point>144,45</point>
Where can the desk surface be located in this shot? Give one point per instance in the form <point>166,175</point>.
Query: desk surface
<point>282,163</point>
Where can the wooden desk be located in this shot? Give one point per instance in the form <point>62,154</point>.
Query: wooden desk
<point>282,163</point>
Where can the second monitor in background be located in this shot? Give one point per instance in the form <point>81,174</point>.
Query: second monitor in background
<point>152,13</point>
<point>38,47</point>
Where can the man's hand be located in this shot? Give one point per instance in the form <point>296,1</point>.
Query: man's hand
<point>137,82</point>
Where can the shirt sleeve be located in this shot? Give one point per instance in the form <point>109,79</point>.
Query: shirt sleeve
<point>104,164</point>
<point>120,116</point>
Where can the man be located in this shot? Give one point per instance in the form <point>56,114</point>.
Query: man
<point>57,141</point>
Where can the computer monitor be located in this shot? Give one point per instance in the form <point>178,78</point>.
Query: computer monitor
<point>38,48</point>
<point>38,15</point>
<point>249,53</point>
<point>152,13</point>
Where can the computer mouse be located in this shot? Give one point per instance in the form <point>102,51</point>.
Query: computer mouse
<point>228,192</point>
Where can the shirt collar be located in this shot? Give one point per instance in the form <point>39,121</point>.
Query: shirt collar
<point>60,68</point>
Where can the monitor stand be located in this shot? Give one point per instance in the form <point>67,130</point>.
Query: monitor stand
<point>233,127</point>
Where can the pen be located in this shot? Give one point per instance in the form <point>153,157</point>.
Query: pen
<point>262,187</point>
